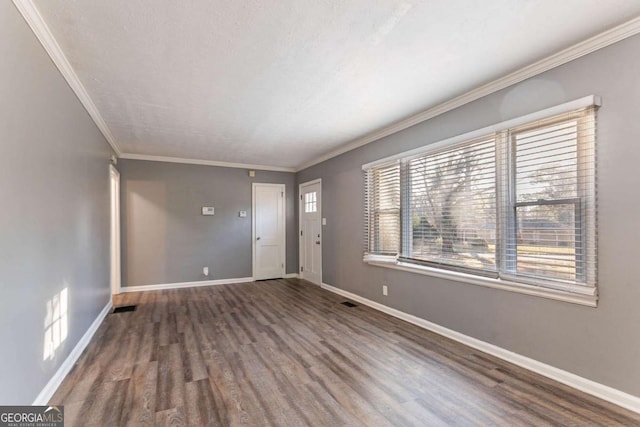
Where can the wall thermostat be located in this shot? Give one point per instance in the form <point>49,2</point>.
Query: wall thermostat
<point>208,210</point>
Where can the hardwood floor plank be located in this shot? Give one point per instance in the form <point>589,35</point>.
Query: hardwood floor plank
<point>203,406</point>
<point>286,353</point>
<point>140,405</point>
<point>173,417</point>
<point>170,384</point>
<point>349,399</point>
<point>73,414</point>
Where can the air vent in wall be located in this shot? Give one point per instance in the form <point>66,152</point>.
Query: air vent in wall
<point>349,304</point>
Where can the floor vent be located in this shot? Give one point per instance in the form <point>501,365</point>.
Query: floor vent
<point>124,309</point>
<point>349,304</point>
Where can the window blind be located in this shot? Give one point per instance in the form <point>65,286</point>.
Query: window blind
<point>382,215</point>
<point>553,197</point>
<point>453,207</point>
<point>518,203</point>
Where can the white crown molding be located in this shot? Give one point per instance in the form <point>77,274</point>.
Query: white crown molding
<point>593,388</point>
<point>50,388</point>
<point>204,162</point>
<point>144,288</point>
<point>39,27</point>
<point>604,39</point>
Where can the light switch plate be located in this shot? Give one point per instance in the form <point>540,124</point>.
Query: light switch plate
<point>242,214</point>
<point>324,221</point>
<point>208,210</point>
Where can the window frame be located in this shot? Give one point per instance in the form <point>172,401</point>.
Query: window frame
<point>310,202</point>
<point>506,215</point>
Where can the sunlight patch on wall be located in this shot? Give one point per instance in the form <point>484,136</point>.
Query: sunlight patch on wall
<point>56,324</point>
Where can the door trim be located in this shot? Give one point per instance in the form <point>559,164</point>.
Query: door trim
<point>300,241</point>
<point>283,240</point>
<point>114,250</point>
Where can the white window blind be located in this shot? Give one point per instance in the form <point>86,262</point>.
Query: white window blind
<point>382,218</point>
<point>553,197</point>
<point>453,207</point>
<point>517,204</point>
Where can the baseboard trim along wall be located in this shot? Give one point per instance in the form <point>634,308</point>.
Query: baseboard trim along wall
<point>47,392</point>
<point>593,388</point>
<point>125,289</point>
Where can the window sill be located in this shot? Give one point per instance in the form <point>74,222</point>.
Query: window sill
<point>587,296</point>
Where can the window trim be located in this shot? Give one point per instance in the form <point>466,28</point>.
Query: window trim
<point>582,295</point>
<point>577,294</point>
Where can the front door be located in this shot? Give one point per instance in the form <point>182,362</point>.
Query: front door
<point>311,231</point>
<point>268,231</point>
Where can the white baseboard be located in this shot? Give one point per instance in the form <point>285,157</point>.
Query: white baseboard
<point>125,289</point>
<point>593,388</point>
<point>47,392</point>
<point>292,276</point>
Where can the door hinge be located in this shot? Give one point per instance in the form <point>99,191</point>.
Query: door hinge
<point>282,265</point>
<point>301,197</point>
<point>282,194</point>
<point>301,232</point>
<point>301,269</point>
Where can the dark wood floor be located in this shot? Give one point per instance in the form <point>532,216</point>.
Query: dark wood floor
<point>283,352</point>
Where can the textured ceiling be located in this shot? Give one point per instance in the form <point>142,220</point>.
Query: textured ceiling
<point>281,82</point>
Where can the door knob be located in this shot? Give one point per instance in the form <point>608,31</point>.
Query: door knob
<point>257,238</point>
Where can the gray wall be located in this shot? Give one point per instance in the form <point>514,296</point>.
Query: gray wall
<point>165,239</point>
<point>54,219</point>
<point>603,343</point>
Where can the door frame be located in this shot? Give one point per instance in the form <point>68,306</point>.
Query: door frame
<point>300,240</point>
<point>283,239</point>
<point>115,248</point>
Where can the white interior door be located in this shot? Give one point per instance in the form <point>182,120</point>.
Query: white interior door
<point>115,229</point>
<point>311,231</point>
<point>268,231</point>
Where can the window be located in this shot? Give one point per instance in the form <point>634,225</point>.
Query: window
<point>452,207</point>
<point>514,203</point>
<point>553,210</point>
<point>383,196</point>
<point>310,202</point>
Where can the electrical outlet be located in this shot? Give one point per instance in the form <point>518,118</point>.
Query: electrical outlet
<point>385,290</point>
<point>205,271</point>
